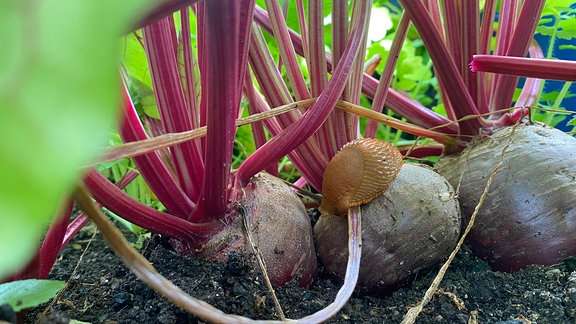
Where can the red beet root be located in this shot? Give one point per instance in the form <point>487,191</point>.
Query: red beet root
<point>529,215</point>
<point>280,229</point>
<point>415,223</point>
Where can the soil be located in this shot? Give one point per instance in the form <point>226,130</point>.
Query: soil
<point>100,289</point>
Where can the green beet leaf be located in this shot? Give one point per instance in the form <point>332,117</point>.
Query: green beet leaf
<point>28,293</point>
<point>59,96</point>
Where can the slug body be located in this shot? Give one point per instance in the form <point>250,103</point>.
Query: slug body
<point>362,170</point>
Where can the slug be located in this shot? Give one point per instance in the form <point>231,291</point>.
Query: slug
<point>361,171</point>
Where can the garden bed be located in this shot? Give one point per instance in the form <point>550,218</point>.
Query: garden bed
<point>101,289</point>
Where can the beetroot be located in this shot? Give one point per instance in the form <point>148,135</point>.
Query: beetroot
<point>529,215</point>
<point>280,229</point>
<point>415,223</point>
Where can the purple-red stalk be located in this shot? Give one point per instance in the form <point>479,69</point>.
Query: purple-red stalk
<point>522,35</point>
<point>400,104</point>
<point>302,129</point>
<point>447,71</point>
<point>57,237</point>
<point>161,51</point>
<point>224,84</point>
<point>387,74</point>
<point>525,67</point>
<point>151,167</point>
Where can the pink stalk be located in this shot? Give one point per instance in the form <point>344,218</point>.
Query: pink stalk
<point>40,265</point>
<point>388,73</point>
<point>531,87</point>
<point>154,172</point>
<point>81,220</point>
<point>422,151</point>
<point>302,25</point>
<point>191,96</point>
<point>276,94</point>
<point>155,128</point>
<point>348,127</point>
<point>505,85</point>
<point>284,15</point>
<point>317,54</point>
<point>57,237</point>
<point>453,26</point>
<point>258,105</point>
<point>412,110</point>
<point>487,26</point>
<point>199,10</point>
<point>226,65</point>
<point>301,130</point>
<point>176,117</point>
<point>191,235</point>
<point>258,127</point>
<point>268,76</point>
<point>339,29</point>
<point>400,104</point>
<point>506,21</point>
<point>435,14</point>
<point>162,9</point>
<point>327,132</point>
<point>470,43</point>
<point>53,240</point>
<point>287,52</point>
<point>506,24</point>
<point>485,39</point>
<point>446,69</point>
<point>525,67</point>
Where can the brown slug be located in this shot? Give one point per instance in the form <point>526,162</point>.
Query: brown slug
<point>361,171</point>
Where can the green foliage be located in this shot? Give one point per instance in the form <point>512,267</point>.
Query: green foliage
<point>138,188</point>
<point>572,123</point>
<point>134,59</point>
<point>59,96</point>
<point>551,106</point>
<point>28,293</point>
<point>413,73</point>
<point>557,21</point>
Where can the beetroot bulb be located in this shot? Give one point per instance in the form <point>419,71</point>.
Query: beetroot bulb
<point>412,225</point>
<point>529,214</point>
<point>280,228</point>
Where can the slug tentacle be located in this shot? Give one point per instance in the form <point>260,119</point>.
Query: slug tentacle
<point>362,170</point>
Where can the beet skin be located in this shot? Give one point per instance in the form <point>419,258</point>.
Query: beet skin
<point>280,229</point>
<point>529,215</point>
<point>414,224</point>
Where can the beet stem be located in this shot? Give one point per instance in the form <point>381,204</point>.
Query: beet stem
<point>413,312</point>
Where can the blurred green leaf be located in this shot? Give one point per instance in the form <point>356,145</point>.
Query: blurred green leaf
<point>59,97</point>
<point>134,59</point>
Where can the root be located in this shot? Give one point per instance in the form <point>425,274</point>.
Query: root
<point>413,312</point>
<point>260,260</point>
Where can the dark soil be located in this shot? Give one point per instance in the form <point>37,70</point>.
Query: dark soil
<point>100,289</point>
